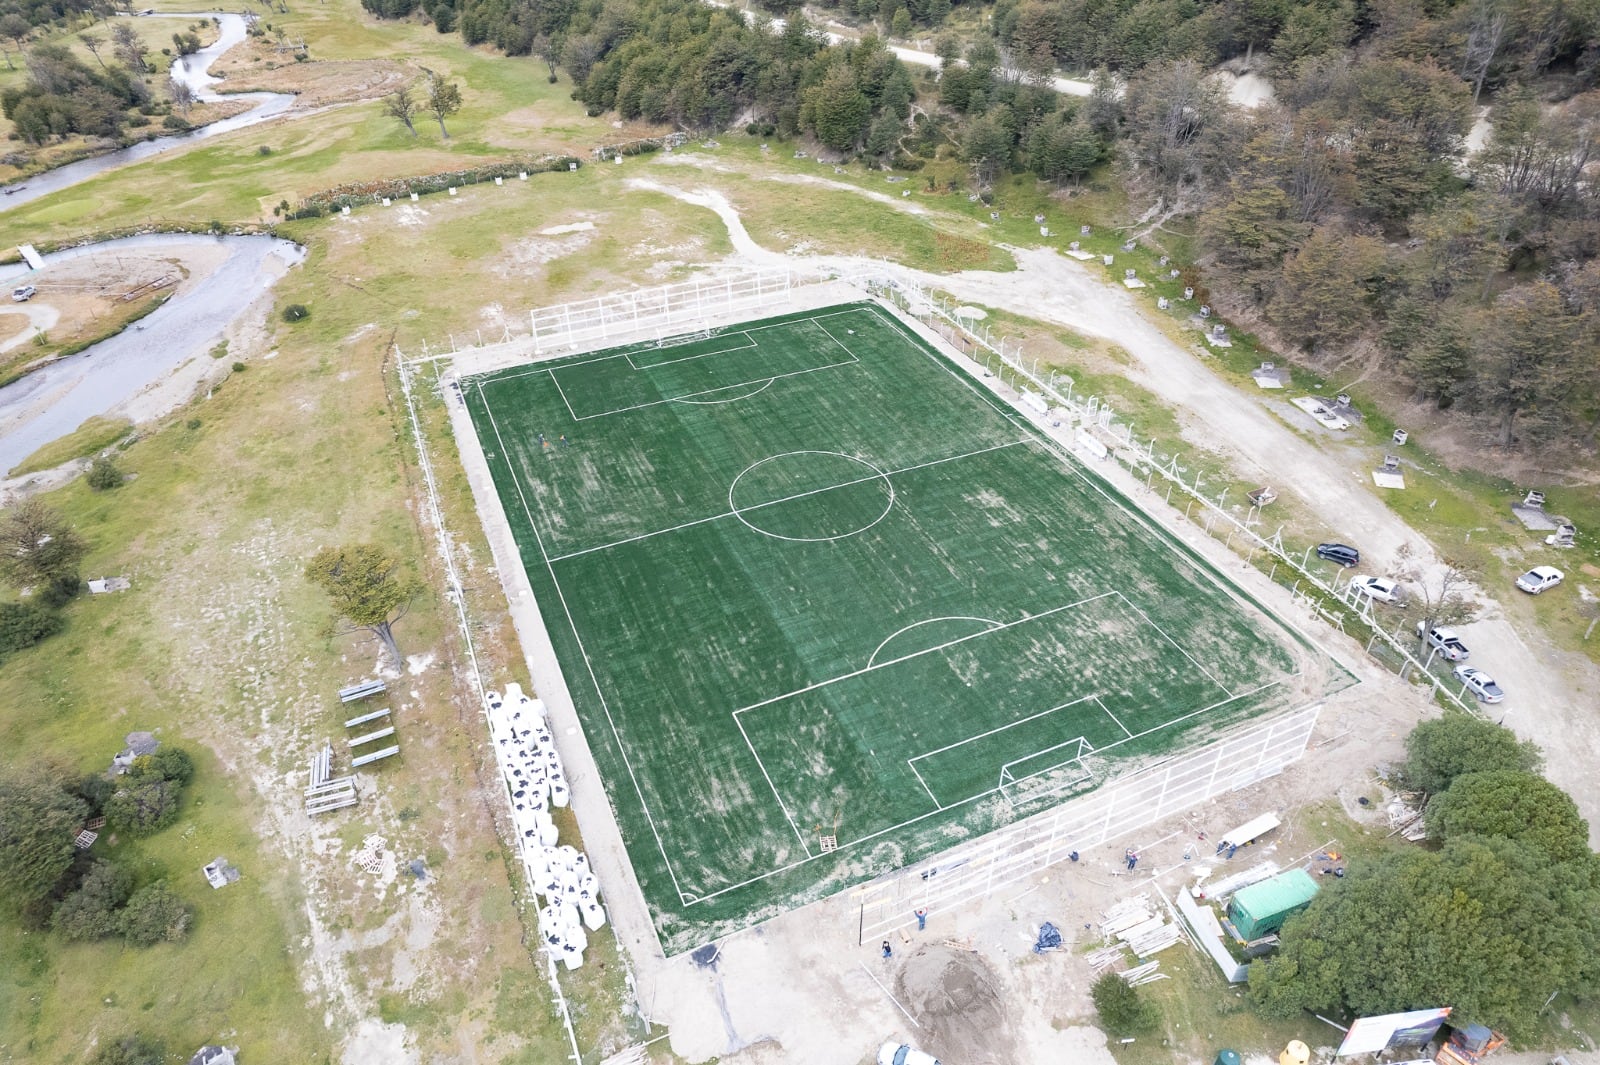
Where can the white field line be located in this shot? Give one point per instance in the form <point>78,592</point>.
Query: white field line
<point>787,499</point>
<point>1002,728</point>
<point>594,680</point>
<point>749,342</point>
<point>918,654</point>
<point>911,763</point>
<point>763,767</point>
<point>731,399</point>
<point>991,622</point>
<point>1114,717</point>
<point>1181,649</point>
<point>692,395</point>
<point>607,354</point>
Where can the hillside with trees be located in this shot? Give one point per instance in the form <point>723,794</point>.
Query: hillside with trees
<point>1344,219</point>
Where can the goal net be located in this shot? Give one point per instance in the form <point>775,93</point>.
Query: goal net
<point>1050,773</point>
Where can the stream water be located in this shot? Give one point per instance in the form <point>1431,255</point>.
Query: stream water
<point>53,401</point>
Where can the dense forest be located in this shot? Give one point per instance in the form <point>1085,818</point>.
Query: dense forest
<point>1344,217</point>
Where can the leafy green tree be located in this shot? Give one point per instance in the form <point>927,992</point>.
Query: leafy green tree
<point>92,911</point>
<point>1321,288</point>
<point>444,100</point>
<point>1447,747</point>
<point>1491,926</point>
<point>104,474</point>
<point>143,806</point>
<point>986,148</point>
<point>367,588</point>
<point>16,27</point>
<point>900,24</point>
<point>1526,363</point>
<point>1254,226</point>
<point>1315,29</point>
<point>165,763</point>
<point>837,110</point>
<point>24,624</point>
<point>38,821</point>
<point>1511,804</point>
<point>1062,151</point>
<point>884,135</point>
<point>155,914</point>
<point>130,1050</point>
<point>1121,1009</point>
<point>38,549</point>
<point>402,106</point>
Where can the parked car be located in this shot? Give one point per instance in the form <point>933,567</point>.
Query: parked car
<point>23,294</point>
<point>1343,554</point>
<point>1539,578</point>
<point>1444,641</point>
<point>1383,589</point>
<point>1479,683</point>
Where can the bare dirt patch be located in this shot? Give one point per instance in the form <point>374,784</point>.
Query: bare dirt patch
<point>257,65</point>
<point>955,997</point>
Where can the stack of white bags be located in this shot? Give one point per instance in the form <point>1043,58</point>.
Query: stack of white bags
<point>526,751</point>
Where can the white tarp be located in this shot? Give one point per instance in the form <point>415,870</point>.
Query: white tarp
<point>1258,826</point>
<point>1369,1035</point>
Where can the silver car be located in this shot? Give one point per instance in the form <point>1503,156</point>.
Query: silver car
<point>1479,683</point>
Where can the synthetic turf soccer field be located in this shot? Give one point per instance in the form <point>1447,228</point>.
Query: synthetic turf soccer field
<point>805,578</point>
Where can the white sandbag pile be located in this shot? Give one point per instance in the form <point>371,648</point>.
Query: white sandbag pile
<point>526,751</point>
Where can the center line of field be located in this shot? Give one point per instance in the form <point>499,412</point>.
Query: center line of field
<point>786,499</point>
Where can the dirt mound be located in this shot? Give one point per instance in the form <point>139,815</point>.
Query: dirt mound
<point>955,997</point>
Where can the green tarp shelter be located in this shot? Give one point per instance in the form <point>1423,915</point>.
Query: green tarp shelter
<point>1261,909</point>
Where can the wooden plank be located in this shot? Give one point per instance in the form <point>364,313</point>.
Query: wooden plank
<point>369,737</point>
<point>364,718</point>
<point>375,755</point>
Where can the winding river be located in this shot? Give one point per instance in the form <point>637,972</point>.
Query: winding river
<point>192,70</point>
<point>53,401</point>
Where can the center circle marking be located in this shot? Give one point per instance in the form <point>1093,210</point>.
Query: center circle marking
<point>873,473</point>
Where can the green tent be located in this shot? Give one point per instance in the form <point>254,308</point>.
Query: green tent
<point>1261,909</point>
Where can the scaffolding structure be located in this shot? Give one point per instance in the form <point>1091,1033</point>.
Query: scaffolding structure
<point>1113,811</point>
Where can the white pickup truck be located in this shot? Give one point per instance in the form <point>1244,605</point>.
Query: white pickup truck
<point>1444,641</point>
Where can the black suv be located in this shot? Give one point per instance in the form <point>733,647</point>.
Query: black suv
<point>1343,554</point>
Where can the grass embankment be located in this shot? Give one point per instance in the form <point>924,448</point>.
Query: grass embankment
<point>90,438</point>
<point>21,161</point>
<point>509,106</point>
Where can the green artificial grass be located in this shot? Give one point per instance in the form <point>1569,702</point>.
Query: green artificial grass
<point>805,578</point>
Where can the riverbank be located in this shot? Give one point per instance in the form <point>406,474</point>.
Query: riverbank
<point>141,373</point>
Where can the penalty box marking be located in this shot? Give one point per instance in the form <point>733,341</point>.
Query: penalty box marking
<point>627,355</point>
<point>872,668</point>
